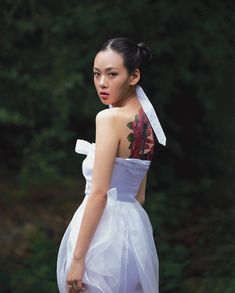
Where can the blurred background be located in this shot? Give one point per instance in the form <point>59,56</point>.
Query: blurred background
<point>47,101</point>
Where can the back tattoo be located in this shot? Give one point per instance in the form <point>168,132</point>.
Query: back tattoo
<point>142,139</point>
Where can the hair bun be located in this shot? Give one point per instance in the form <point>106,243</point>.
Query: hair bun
<point>134,55</point>
<point>145,53</point>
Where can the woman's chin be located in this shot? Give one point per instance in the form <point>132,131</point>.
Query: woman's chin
<point>104,102</point>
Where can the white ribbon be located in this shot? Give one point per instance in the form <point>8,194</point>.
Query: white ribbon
<point>151,114</point>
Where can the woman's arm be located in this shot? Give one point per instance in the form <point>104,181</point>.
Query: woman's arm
<point>107,141</point>
<point>141,193</point>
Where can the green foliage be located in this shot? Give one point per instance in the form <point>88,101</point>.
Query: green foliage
<point>37,274</point>
<point>194,244</point>
<point>47,54</point>
<point>36,271</point>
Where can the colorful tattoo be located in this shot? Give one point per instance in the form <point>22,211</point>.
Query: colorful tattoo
<point>141,138</point>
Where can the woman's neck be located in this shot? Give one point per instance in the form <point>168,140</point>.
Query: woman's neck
<point>127,100</point>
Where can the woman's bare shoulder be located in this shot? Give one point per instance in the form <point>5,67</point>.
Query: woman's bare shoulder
<point>111,114</point>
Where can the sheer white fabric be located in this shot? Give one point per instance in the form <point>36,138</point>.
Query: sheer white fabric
<point>151,114</point>
<point>122,256</point>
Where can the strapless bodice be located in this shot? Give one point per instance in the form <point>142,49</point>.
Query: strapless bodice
<point>127,174</point>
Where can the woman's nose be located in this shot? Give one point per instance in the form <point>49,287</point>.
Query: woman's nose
<point>103,82</point>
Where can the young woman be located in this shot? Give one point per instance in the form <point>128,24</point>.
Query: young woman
<point>108,246</point>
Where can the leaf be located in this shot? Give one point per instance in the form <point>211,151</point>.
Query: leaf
<point>136,118</point>
<point>130,137</point>
<point>129,125</point>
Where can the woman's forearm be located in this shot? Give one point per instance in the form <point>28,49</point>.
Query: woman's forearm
<point>93,212</point>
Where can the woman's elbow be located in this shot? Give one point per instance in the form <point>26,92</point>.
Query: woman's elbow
<point>142,202</point>
<point>141,199</point>
<point>99,194</point>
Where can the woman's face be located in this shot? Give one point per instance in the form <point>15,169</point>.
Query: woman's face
<point>111,78</point>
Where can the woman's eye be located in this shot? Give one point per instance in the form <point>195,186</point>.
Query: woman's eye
<point>96,74</point>
<point>112,74</point>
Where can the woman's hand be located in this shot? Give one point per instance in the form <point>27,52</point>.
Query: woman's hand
<point>75,275</point>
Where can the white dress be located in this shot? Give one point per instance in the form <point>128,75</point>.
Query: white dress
<point>122,256</point>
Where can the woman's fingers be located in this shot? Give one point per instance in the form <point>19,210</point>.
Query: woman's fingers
<point>80,285</point>
<point>76,286</point>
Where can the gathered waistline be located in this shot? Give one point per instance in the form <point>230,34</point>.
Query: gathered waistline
<point>112,194</point>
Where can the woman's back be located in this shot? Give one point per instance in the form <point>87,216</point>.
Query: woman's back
<point>136,136</point>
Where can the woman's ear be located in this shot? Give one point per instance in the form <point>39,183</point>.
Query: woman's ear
<point>135,77</point>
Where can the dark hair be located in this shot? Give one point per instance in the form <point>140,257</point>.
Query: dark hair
<point>134,55</point>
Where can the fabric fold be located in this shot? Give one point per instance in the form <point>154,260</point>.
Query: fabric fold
<point>82,147</point>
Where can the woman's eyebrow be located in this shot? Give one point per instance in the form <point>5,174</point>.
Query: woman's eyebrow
<point>110,68</point>
<point>106,69</point>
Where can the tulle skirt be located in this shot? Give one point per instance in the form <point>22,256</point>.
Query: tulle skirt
<point>122,256</point>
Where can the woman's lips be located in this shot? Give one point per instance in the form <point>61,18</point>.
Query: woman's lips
<point>104,95</point>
